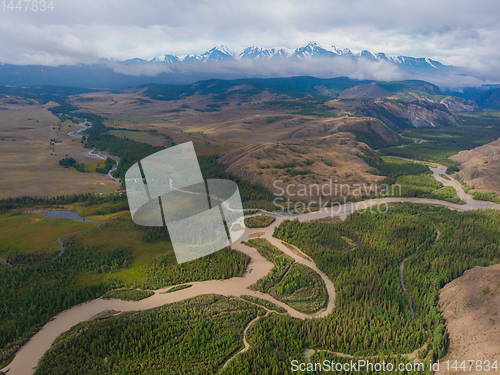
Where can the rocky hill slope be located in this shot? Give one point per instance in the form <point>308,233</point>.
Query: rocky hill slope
<point>471,308</point>
<point>480,167</point>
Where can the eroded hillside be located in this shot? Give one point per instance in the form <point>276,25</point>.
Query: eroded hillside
<point>480,167</point>
<point>471,308</point>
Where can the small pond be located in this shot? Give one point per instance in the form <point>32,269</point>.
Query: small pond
<point>61,214</point>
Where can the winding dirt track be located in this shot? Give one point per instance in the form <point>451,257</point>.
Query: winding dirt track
<point>27,357</point>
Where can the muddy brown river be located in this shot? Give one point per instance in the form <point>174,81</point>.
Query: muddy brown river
<point>27,357</point>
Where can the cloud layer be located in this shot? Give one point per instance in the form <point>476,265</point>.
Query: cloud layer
<point>455,32</point>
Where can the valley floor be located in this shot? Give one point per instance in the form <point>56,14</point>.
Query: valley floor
<point>27,357</point>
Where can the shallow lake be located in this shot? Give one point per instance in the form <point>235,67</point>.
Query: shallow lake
<point>61,214</point>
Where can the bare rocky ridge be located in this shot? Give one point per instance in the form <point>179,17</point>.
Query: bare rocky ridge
<point>480,167</point>
<point>459,104</point>
<point>398,115</point>
<point>471,307</point>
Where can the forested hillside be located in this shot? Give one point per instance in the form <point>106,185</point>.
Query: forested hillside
<point>372,313</point>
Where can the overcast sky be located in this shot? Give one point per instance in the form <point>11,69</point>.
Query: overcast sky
<point>458,32</point>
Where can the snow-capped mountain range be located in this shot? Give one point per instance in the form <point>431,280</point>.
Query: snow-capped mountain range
<point>312,50</point>
<point>220,62</point>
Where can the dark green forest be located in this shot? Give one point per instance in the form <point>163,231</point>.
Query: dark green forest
<point>41,285</point>
<point>259,221</point>
<point>280,260</point>
<point>87,199</point>
<point>126,294</point>
<point>441,143</point>
<point>371,315</point>
<point>71,162</point>
<point>195,336</point>
<point>108,164</point>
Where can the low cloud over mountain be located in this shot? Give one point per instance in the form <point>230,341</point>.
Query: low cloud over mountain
<point>312,59</point>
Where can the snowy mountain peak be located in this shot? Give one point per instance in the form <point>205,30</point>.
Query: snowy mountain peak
<point>365,54</point>
<point>222,48</point>
<point>170,59</point>
<point>218,53</point>
<point>313,45</point>
<point>254,52</point>
<point>312,50</point>
<point>260,53</point>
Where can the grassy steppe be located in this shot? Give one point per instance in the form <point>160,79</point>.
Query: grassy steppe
<point>26,233</point>
<point>30,158</point>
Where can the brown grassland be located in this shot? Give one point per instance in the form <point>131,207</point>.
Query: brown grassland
<point>255,135</point>
<point>30,163</point>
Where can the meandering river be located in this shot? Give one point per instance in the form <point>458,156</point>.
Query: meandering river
<point>92,153</point>
<point>27,357</point>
